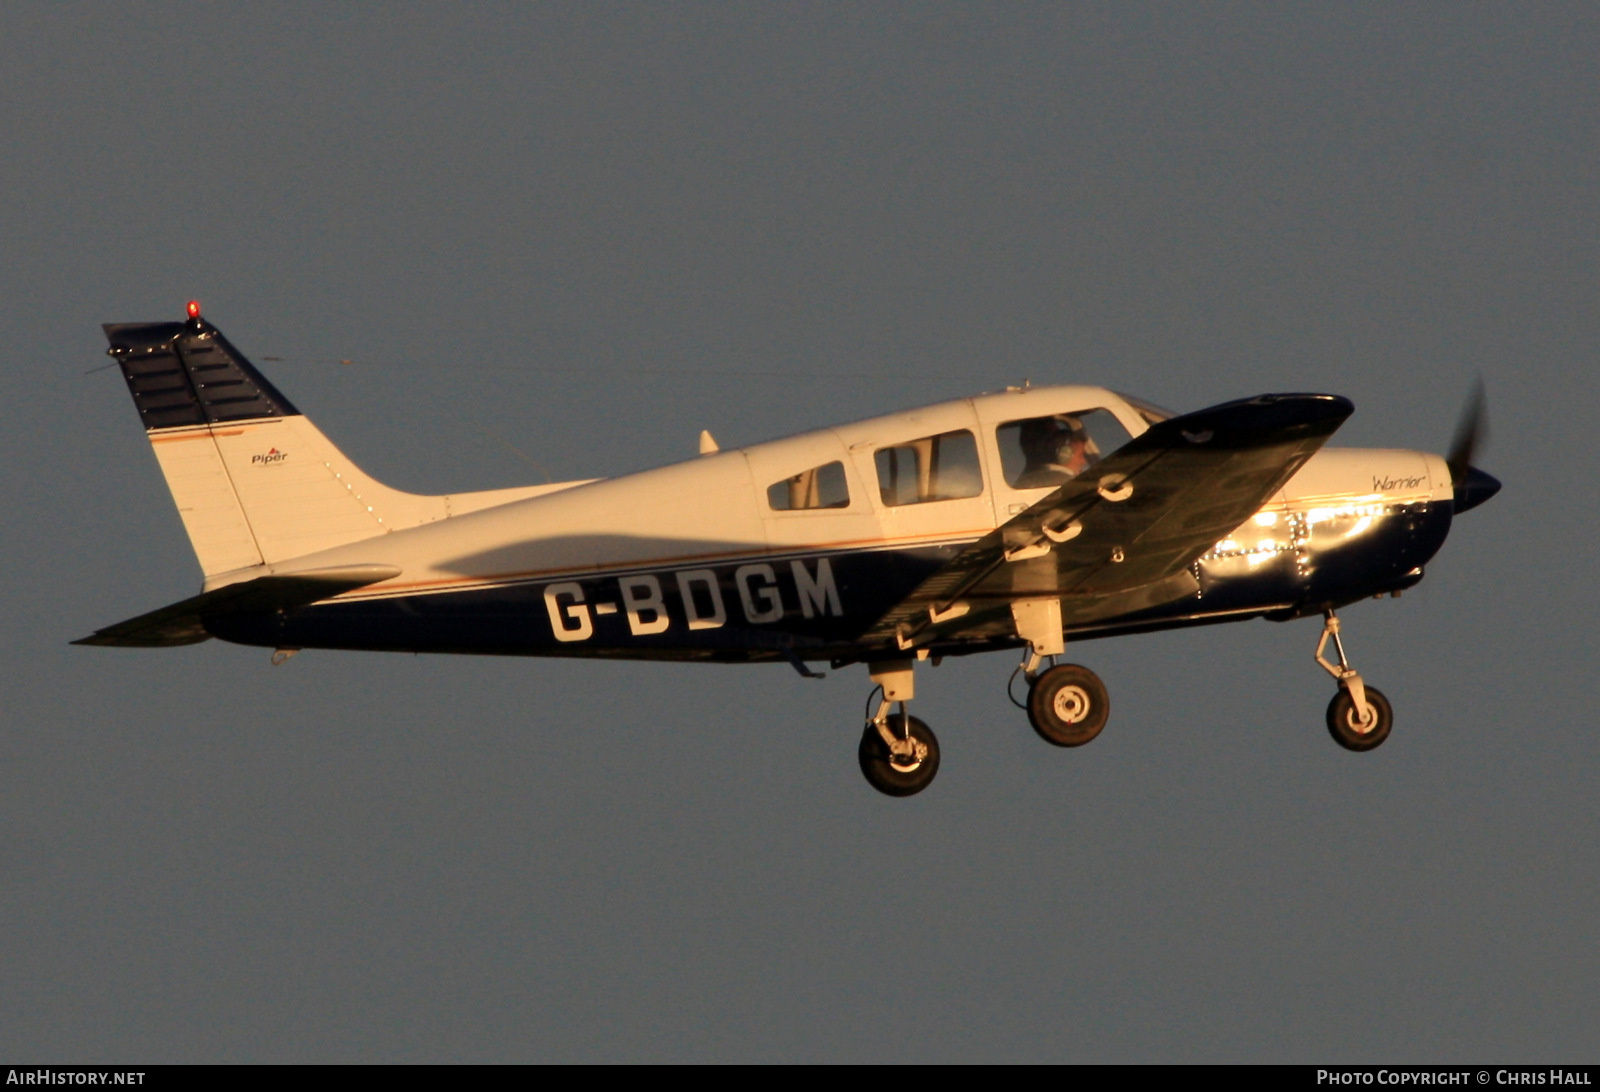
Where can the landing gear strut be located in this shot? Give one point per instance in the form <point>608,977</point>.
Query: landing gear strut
<point>899,754</point>
<point>1067,705</point>
<point>1359,716</point>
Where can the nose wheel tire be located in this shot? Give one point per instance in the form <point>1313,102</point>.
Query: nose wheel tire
<point>905,769</point>
<point>1346,727</point>
<point>1068,705</point>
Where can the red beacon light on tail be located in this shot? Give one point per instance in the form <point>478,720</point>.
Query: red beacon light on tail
<point>194,309</point>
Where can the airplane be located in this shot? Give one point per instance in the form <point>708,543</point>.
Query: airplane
<point>1015,520</point>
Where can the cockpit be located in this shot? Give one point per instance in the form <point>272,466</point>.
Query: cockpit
<point>964,463</point>
<point>1043,452</point>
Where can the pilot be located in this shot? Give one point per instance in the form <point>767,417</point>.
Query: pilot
<point>1056,449</point>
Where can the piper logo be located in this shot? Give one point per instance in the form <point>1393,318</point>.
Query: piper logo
<point>268,459</point>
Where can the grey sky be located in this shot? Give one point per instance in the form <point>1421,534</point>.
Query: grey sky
<point>585,233</point>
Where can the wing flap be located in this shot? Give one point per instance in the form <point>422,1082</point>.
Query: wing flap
<point>1126,529</point>
<point>183,623</point>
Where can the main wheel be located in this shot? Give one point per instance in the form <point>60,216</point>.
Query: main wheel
<point>1068,705</point>
<point>1346,727</point>
<point>901,772</point>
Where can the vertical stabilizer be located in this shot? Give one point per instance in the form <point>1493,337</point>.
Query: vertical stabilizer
<point>254,480</point>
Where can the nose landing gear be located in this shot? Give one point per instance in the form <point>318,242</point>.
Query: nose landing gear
<point>1359,716</point>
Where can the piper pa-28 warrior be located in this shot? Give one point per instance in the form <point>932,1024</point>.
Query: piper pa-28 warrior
<point>1016,520</point>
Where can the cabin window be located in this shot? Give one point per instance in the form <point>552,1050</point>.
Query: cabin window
<point>820,487</point>
<point>934,468</point>
<point>1041,452</point>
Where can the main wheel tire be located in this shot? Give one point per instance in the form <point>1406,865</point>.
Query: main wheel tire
<point>1346,727</point>
<point>1068,705</point>
<point>894,776</point>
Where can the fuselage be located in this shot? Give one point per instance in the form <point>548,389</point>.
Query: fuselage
<point>792,549</point>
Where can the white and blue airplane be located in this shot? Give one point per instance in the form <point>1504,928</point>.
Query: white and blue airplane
<point>1014,520</point>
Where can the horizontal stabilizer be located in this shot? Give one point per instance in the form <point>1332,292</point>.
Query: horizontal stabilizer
<point>183,623</point>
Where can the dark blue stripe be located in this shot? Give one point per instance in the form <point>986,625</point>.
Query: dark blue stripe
<point>186,373</point>
<point>516,619</point>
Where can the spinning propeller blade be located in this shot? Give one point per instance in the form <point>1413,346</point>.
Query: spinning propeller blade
<point>1472,486</point>
<point>1472,431</point>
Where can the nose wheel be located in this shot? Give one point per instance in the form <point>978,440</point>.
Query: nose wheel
<point>1359,716</point>
<point>1353,732</point>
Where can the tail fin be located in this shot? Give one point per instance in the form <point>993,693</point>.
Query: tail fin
<point>255,481</point>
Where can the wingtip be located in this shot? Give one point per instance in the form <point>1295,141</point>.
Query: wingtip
<point>1272,413</point>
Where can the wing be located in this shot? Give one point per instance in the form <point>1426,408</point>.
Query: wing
<point>182,623</point>
<point>1122,534</point>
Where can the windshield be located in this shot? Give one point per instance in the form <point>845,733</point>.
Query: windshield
<point>1152,413</point>
<point>1046,451</point>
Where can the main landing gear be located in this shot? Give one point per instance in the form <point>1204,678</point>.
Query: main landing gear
<point>1067,704</point>
<point>899,754</point>
<point>1359,716</point>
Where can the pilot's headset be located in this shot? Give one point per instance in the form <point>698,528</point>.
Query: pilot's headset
<point>1040,439</point>
<point>1075,445</point>
<point>1069,429</point>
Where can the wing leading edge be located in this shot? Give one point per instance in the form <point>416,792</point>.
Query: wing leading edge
<point>1122,535</point>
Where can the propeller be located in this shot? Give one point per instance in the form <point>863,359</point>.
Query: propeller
<point>1471,433</point>
<point>1472,486</point>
